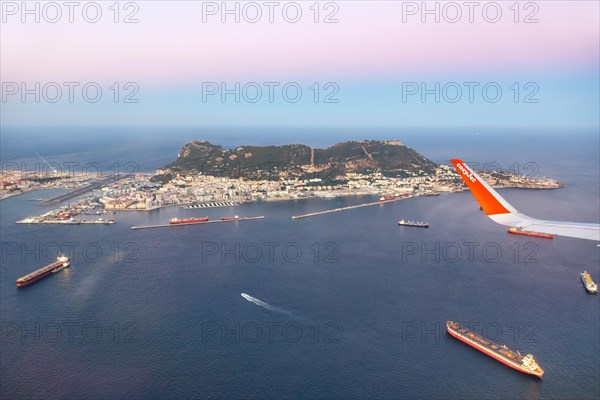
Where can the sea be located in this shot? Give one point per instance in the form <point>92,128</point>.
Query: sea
<point>347,305</point>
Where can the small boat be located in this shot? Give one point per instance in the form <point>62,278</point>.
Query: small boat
<point>230,218</point>
<point>589,284</point>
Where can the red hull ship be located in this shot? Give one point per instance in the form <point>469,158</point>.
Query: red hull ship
<point>513,359</point>
<point>230,218</point>
<point>176,221</point>
<point>517,231</point>
<point>61,263</point>
<point>388,198</point>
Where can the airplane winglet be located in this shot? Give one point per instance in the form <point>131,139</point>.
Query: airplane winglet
<point>491,202</point>
<point>500,211</point>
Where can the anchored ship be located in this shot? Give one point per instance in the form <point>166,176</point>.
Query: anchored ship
<point>61,263</point>
<point>513,359</point>
<point>416,224</point>
<point>388,198</point>
<point>589,284</point>
<point>175,221</point>
<point>519,231</point>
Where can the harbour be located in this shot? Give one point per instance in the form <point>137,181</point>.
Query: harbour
<point>83,190</point>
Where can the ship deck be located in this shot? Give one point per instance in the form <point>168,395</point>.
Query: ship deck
<point>40,271</point>
<point>501,350</point>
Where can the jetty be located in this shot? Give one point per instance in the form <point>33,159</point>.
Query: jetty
<point>199,223</point>
<point>314,214</point>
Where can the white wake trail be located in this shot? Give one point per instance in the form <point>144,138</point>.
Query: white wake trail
<point>264,305</point>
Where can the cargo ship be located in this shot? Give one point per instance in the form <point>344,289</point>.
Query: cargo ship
<point>230,218</point>
<point>519,231</point>
<point>387,198</point>
<point>513,359</point>
<point>61,263</point>
<point>589,284</point>
<point>415,224</point>
<point>175,221</point>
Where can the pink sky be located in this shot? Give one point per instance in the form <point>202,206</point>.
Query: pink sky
<point>171,45</point>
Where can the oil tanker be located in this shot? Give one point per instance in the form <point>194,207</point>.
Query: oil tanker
<point>519,231</point>
<point>175,221</point>
<point>61,263</point>
<point>513,359</point>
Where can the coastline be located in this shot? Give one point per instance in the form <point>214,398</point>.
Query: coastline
<point>29,221</point>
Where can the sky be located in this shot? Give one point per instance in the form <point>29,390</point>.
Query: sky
<point>380,64</point>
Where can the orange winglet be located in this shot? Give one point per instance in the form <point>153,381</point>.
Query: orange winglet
<point>487,200</point>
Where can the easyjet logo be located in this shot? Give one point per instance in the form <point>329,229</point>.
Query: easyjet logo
<point>466,172</point>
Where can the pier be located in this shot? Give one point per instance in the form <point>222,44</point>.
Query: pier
<point>199,223</point>
<point>314,214</point>
<point>211,205</point>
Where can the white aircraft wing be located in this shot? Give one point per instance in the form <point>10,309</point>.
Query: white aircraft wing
<point>502,212</point>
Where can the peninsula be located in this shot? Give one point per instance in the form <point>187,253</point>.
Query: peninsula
<point>208,175</point>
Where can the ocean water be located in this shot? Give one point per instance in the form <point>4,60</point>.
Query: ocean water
<point>345,305</point>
